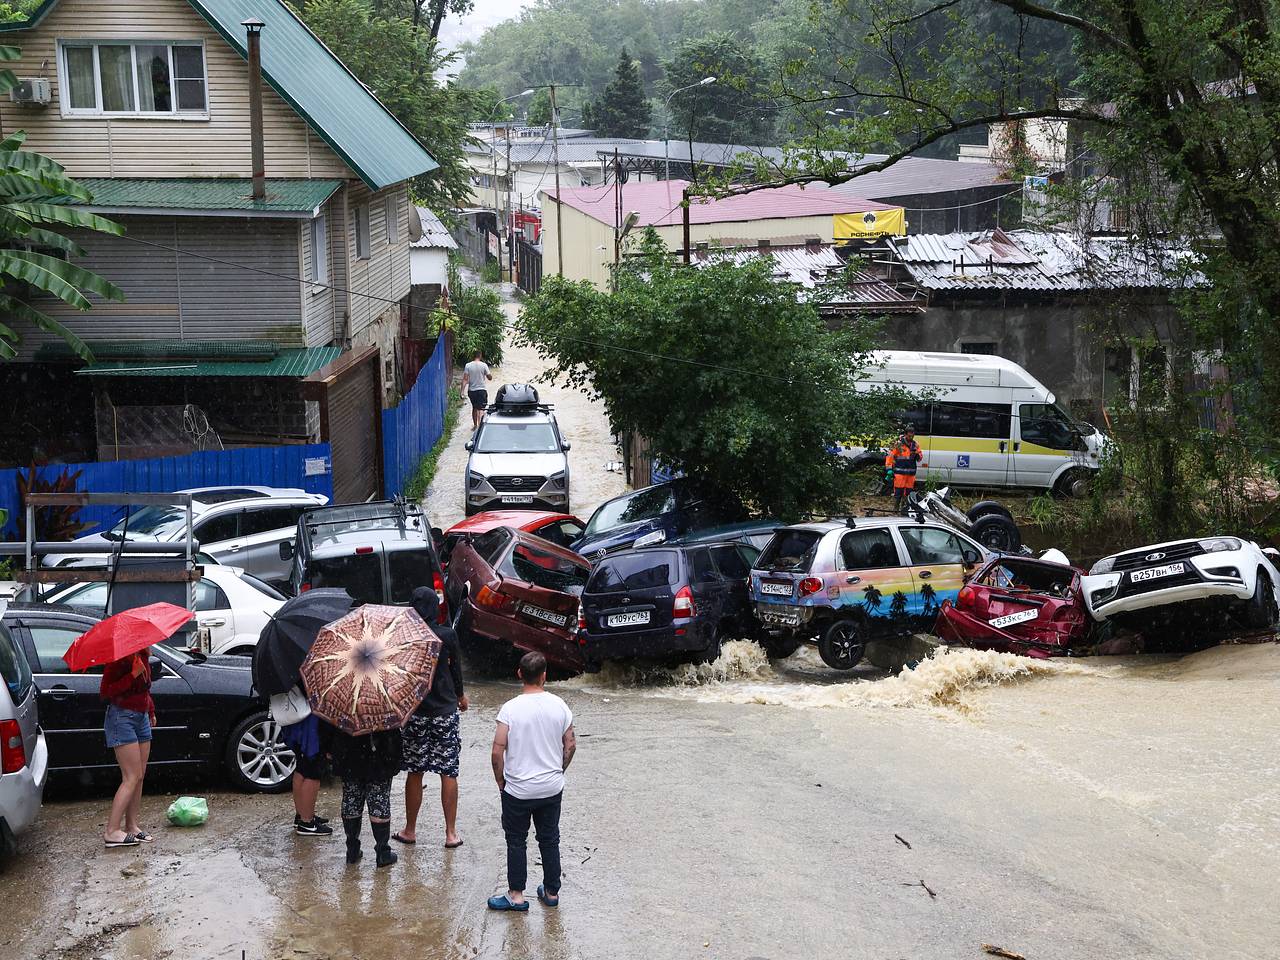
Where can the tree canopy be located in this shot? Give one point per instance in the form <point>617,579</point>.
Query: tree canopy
<point>622,110</point>
<point>733,378</point>
<point>731,110</point>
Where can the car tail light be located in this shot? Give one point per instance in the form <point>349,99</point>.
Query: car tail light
<point>360,551</point>
<point>306,585</point>
<point>965,597</point>
<point>13,755</point>
<point>582,618</point>
<point>494,600</point>
<point>437,582</point>
<point>810,585</point>
<point>684,605</point>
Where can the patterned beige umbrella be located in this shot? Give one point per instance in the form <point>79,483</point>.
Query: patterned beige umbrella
<point>370,669</point>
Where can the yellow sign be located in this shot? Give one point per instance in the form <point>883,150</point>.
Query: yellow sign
<point>870,223</point>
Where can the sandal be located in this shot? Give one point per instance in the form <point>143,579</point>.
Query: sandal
<point>503,902</point>
<point>128,841</point>
<point>547,898</point>
<point>143,837</point>
<point>399,838</point>
<point>453,846</point>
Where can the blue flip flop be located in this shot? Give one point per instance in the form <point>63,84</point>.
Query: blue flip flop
<point>548,899</point>
<point>503,902</point>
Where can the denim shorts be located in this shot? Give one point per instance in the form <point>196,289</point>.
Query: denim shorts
<point>126,726</point>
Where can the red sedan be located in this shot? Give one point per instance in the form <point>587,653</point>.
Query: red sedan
<point>562,529</point>
<point>1018,605</point>
<point>513,592</point>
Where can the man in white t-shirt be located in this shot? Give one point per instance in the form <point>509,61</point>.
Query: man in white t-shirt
<point>531,752</point>
<point>474,375</point>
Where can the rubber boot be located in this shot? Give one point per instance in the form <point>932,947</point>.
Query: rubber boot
<point>382,844</point>
<point>352,827</point>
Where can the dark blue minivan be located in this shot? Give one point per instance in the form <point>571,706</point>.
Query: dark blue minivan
<point>651,516</point>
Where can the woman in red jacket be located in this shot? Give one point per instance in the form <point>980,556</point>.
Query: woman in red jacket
<point>126,688</point>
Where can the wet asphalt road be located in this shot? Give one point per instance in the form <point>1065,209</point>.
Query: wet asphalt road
<point>1101,812</point>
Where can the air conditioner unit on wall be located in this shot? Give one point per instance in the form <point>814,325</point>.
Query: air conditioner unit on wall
<point>31,92</point>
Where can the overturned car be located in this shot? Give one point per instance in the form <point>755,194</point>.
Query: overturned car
<point>1021,605</point>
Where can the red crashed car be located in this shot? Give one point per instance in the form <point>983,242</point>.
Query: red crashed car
<point>560,528</point>
<point>512,592</point>
<point>1018,605</point>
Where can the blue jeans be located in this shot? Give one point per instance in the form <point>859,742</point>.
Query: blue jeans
<point>545,813</point>
<point>126,726</point>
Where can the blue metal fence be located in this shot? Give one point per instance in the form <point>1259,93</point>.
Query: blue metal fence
<point>412,428</point>
<point>305,466</point>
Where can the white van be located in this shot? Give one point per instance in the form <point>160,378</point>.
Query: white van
<point>989,423</point>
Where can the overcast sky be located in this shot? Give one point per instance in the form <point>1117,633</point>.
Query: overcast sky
<point>486,13</point>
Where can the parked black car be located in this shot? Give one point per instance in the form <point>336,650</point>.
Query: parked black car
<point>652,516</point>
<point>674,604</point>
<point>206,715</point>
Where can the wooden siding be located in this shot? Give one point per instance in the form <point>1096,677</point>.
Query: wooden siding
<point>179,296</point>
<point>320,302</point>
<point>384,274</point>
<point>129,147</point>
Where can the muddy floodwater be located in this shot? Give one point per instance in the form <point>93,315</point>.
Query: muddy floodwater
<point>1109,808</point>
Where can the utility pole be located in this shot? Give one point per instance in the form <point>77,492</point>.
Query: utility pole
<point>507,229</point>
<point>684,203</point>
<point>555,160</point>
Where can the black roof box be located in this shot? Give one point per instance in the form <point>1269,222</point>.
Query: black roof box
<point>517,398</point>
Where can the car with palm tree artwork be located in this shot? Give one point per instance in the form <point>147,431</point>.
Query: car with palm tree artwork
<point>840,583</point>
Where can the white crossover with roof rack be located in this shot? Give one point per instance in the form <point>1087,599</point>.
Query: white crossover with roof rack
<point>519,458</point>
<point>985,421</point>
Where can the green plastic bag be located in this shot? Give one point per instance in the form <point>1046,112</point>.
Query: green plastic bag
<point>188,812</point>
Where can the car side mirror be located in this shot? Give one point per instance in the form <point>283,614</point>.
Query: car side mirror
<point>565,447</point>
<point>157,669</point>
<point>286,550</point>
<point>469,445</point>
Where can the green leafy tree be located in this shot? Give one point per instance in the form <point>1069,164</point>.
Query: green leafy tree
<point>399,61</point>
<point>732,377</point>
<point>34,257</point>
<point>731,110</point>
<point>539,108</point>
<point>623,109</point>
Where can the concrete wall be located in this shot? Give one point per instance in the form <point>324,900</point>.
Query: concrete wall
<point>1060,342</point>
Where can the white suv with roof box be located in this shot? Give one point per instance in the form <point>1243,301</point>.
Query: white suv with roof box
<point>518,458</point>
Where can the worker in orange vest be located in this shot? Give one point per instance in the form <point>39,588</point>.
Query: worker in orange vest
<point>903,458</point>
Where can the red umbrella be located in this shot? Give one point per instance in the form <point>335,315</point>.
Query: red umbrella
<point>125,633</point>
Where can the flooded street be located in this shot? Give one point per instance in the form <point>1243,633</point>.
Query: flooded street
<point>1112,807</point>
<point>582,421</point>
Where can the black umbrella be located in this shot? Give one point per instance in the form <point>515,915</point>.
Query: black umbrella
<point>286,639</point>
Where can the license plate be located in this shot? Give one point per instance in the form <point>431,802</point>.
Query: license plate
<point>1008,620</point>
<point>558,619</point>
<point>782,618</point>
<point>1168,570</point>
<point>628,619</point>
<point>517,498</point>
<point>776,589</point>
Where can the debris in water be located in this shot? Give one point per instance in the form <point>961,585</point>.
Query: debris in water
<point>1001,952</point>
<point>901,841</point>
<point>921,883</point>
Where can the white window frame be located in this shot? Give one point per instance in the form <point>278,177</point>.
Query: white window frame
<point>64,86</point>
<point>362,226</point>
<point>393,219</point>
<point>319,237</point>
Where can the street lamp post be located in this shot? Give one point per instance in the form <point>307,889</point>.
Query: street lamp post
<point>497,206</point>
<point>666,130</point>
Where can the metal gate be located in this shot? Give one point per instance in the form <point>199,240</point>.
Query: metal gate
<point>349,392</point>
<point>528,265</point>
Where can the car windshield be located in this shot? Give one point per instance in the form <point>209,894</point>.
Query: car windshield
<point>641,505</point>
<point>516,438</point>
<point>544,569</point>
<point>790,550</point>
<point>151,523</point>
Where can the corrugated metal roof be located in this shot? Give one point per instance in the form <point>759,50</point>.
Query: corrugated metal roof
<point>811,266</point>
<point>177,193</point>
<point>1038,260</point>
<point>434,232</point>
<point>286,363</point>
<point>658,203</point>
<point>526,151</point>
<point>922,175</point>
<point>341,109</point>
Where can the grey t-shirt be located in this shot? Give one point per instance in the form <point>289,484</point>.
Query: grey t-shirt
<point>476,373</point>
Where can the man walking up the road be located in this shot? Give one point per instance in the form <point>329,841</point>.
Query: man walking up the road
<point>532,749</point>
<point>474,375</point>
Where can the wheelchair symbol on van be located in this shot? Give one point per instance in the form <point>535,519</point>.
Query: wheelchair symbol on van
<point>962,461</point>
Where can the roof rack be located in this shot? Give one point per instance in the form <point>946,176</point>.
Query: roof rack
<point>398,509</point>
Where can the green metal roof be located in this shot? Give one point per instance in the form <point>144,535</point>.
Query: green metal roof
<point>283,196</point>
<point>341,110</point>
<point>250,358</point>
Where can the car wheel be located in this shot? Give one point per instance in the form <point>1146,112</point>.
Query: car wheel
<point>842,644</point>
<point>1073,483</point>
<point>868,479</point>
<point>1262,611</point>
<point>985,507</point>
<point>997,532</point>
<point>778,646</point>
<point>258,761</point>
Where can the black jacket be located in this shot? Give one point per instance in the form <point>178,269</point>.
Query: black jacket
<point>374,756</point>
<point>446,685</point>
